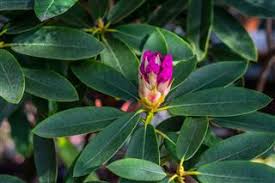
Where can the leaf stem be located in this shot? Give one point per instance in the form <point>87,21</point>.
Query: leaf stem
<point>172,178</point>
<point>164,136</point>
<point>162,108</point>
<point>3,31</point>
<point>191,173</point>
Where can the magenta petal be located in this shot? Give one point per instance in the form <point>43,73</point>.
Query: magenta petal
<point>147,54</point>
<point>166,72</point>
<point>165,75</point>
<point>167,62</point>
<point>153,66</point>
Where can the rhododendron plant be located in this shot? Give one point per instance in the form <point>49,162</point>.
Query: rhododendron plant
<point>91,94</point>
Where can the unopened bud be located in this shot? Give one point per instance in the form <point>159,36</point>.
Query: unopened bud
<point>155,78</point>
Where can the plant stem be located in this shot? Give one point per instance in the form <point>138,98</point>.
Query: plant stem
<point>149,117</point>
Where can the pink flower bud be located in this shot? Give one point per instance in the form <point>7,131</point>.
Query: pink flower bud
<point>155,78</point>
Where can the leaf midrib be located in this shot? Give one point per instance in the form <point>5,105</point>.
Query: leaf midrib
<point>109,142</point>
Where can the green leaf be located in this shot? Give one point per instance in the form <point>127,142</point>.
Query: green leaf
<point>47,9</point>
<point>20,132</point>
<point>105,79</point>
<point>77,17</point>
<point>10,179</point>
<point>120,57</point>
<point>221,52</point>
<point>170,144</point>
<point>219,102</point>
<point>178,47</point>
<point>16,5</point>
<point>182,70</point>
<point>49,85</point>
<point>246,146</point>
<point>211,138</point>
<point>172,124</point>
<point>122,9</point>
<point>156,42</point>
<point>167,12</point>
<point>191,137</point>
<point>12,83</point>
<point>230,32</point>
<point>263,8</point>
<point>99,8</point>
<point>102,147</point>
<point>219,74</point>
<point>76,121</point>
<point>199,25</point>
<point>236,172</point>
<point>45,159</point>
<point>144,145</point>
<point>137,169</point>
<point>60,43</point>
<point>18,26</point>
<point>257,121</point>
<point>134,35</point>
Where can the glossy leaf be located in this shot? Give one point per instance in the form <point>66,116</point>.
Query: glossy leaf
<point>134,35</point>
<point>49,85</point>
<point>60,43</point>
<point>167,12</point>
<point>182,70</point>
<point>12,82</point>
<point>16,5</point>
<point>47,9</point>
<point>263,8</point>
<point>170,144</point>
<point>102,147</point>
<point>211,138</point>
<point>221,52</point>
<point>241,147</point>
<point>177,46</point>
<point>76,121</point>
<point>137,169</point>
<point>10,179</point>
<point>45,159</point>
<point>99,8</point>
<point>230,32</point>
<point>144,145</point>
<point>219,102</point>
<point>250,122</point>
<point>105,79</point>
<point>199,25</point>
<point>77,17</point>
<point>191,137</point>
<point>240,172</point>
<point>122,9</point>
<point>219,74</point>
<point>120,57</point>
<point>156,42</point>
<point>19,26</point>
